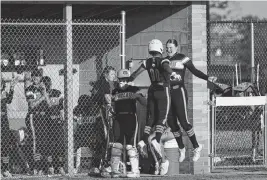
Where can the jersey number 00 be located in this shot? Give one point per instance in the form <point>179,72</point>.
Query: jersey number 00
<point>154,75</point>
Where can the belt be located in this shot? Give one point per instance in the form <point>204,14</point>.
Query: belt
<point>175,86</point>
<point>125,113</point>
<point>159,83</point>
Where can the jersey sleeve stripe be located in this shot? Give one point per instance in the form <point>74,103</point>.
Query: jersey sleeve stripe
<point>185,60</point>
<point>144,63</point>
<point>165,60</point>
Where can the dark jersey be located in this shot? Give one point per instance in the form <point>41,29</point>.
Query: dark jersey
<point>158,70</point>
<point>179,63</point>
<point>6,98</point>
<point>35,92</point>
<point>123,101</point>
<point>100,88</point>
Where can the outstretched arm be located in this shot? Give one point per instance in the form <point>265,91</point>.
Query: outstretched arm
<point>141,69</point>
<point>189,64</point>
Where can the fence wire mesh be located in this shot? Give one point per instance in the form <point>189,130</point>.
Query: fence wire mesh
<point>239,136</point>
<point>54,77</point>
<point>231,44</point>
<point>232,50</point>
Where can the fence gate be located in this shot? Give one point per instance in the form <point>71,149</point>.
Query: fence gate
<point>236,54</point>
<point>68,61</point>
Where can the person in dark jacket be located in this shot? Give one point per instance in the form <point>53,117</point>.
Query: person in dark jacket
<point>6,98</point>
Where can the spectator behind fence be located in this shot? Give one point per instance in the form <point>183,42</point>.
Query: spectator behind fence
<point>6,98</point>
<point>88,131</point>
<point>35,118</point>
<point>101,93</point>
<point>52,128</point>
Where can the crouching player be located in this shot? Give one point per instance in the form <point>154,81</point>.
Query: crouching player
<point>125,97</point>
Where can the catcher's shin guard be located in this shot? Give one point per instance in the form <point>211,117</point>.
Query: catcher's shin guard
<point>134,160</point>
<point>116,153</point>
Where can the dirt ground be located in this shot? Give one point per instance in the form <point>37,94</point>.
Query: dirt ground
<point>212,176</point>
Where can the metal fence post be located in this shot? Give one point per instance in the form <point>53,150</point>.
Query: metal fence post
<point>252,54</point>
<point>123,25</point>
<point>69,87</point>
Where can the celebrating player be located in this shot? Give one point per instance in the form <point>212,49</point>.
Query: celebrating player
<point>179,63</point>
<point>159,72</point>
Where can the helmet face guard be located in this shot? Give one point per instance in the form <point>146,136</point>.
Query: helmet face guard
<point>123,74</point>
<point>155,46</point>
<point>123,77</point>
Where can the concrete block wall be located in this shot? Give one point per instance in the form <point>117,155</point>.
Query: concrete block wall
<point>198,44</point>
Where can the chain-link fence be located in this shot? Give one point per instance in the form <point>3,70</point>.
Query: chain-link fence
<point>239,132</point>
<point>54,77</point>
<point>236,54</point>
<point>235,49</point>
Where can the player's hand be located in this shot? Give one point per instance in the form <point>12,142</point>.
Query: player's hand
<point>212,79</point>
<point>176,76</point>
<point>135,96</point>
<point>108,98</point>
<point>130,83</point>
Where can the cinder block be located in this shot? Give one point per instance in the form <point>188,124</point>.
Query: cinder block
<point>183,38</point>
<point>85,89</point>
<point>184,49</point>
<point>180,12</point>
<point>147,37</point>
<point>179,24</point>
<point>134,40</point>
<point>128,51</point>
<point>163,36</point>
<point>167,24</point>
<point>150,29</point>
<point>159,26</point>
<point>86,76</point>
<point>140,52</point>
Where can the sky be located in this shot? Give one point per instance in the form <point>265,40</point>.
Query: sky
<point>258,8</point>
<point>240,9</point>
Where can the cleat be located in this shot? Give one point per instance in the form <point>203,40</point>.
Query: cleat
<point>197,152</point>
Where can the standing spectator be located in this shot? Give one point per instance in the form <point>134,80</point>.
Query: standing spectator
<point>101,97</point>
<point>179,63</point>
<point>36,99</point>
<point>53,127</point>
<point>6,98</point>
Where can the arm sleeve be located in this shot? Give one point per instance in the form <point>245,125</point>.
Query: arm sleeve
<point>10,96</point>
<point>166,65</point>
<point>189,64</point>
<point>141,69</point>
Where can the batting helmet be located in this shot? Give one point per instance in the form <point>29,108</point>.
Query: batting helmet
<point>156,46</point>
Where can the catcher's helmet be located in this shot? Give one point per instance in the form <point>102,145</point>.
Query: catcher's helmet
<point>123,73</point>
